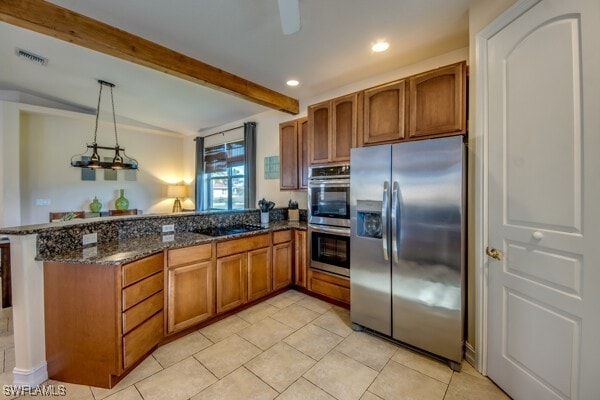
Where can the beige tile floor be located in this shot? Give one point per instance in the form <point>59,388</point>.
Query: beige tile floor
<point>289,347</point>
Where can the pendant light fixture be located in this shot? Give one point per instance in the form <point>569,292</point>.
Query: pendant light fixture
<point>94,161</point>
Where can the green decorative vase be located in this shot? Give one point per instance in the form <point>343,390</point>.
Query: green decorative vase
<point>122,203</point>
<point>95,205</point>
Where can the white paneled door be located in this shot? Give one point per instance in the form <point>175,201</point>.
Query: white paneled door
<point>543,110</point>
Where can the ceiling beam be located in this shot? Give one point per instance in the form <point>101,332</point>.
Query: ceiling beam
<point>61,23</point>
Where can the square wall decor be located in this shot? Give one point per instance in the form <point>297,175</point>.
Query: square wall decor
<point>272,167</point>
<point>109,174</point>
<point>87,174</point>
<point>130,174</point>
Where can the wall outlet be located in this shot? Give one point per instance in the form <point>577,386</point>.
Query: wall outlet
<point>168,228</point>
<point>42,202</point>
<point>90,252</point>
<point>89,238</point>
<point>168,238</point>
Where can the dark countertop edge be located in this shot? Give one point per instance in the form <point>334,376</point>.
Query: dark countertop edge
<point>50,226</point>
<point>76,256</point>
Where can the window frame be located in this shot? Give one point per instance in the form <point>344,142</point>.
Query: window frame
<point>229,178</point>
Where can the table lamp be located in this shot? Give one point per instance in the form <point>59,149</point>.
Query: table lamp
<point>176,191</point>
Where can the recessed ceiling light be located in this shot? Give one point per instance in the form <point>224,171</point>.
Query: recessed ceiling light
<point>292,82</point>
<point>380,46</point>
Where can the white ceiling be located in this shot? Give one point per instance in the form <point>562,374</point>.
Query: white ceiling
<point>243,37</point>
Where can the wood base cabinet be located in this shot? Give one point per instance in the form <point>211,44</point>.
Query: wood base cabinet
<point>334,287</point>
<point>190,286</point>
<point>259,273</point>
<point>100,320</point>
<point>243,271</point>
<point>282,259</point>
<point>231,282</point>
<point>300,258</point>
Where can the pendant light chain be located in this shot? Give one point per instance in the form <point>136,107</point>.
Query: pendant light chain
<point>98,113</point>
<point>114,118</point>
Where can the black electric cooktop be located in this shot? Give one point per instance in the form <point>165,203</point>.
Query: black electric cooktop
<point>229,230</point>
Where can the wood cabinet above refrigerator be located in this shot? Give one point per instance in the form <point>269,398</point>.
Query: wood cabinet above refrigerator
<point>332,129</point>
<point>437,102</point>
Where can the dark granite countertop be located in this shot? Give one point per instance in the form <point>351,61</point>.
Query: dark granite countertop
<point>131,249</point>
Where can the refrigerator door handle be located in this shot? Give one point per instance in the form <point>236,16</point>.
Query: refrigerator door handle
<point>384,210</point>
<point>395,201</point>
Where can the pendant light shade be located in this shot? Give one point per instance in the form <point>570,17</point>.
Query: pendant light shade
<point>93,160</point>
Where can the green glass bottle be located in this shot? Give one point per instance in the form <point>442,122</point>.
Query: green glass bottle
<point>122,203</point>
<point>95,205</point>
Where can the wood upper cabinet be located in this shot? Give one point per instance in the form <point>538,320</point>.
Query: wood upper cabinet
<point>319,132</point>
<point>438,102</point>
<point>344,123</point>
<point>288,155</point>
<point>332,129</point>
<point>384,113</point>
<point>190,286</point>
<point>302,153</point>
<point>293,154</point>
<point>282,259</point>
<point>300,258</point>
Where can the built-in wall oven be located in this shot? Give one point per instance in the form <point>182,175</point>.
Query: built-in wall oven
<point>329,218</point>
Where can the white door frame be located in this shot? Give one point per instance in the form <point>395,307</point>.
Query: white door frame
<point>481,171</point>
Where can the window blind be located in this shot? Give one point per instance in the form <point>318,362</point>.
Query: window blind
<point>219,158</point>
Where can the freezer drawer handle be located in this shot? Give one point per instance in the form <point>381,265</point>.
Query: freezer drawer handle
<point>395,201</point>
<point>384,208</point>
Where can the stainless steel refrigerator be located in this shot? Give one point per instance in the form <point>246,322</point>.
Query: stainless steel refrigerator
<point>407,246</point>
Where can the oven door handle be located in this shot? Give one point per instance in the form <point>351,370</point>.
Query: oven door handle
<point>331,230</point>
<point>329,182</point>
<point>384,210</point>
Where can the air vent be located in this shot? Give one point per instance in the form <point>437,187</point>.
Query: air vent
<point>31,57</point>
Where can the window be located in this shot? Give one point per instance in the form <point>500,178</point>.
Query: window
<point>225,176</point>
<point>225,169</point>
<point>226,189</point>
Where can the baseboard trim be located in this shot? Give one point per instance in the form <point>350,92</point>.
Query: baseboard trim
<point>471,356</point>
<point>31,377</point>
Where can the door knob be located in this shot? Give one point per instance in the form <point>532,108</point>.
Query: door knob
<point>494,253</point>
<point>537,235</point>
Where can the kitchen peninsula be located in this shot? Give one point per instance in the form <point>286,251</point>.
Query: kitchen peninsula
<point>90,314</point>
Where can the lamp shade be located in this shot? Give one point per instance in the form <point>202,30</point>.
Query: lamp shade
<point>176,191</point>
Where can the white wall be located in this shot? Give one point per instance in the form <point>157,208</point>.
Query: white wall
<point>47,139</point>
<point>10,206</point>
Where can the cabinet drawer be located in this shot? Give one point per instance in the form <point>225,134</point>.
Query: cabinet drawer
<point>282,236</point>
<point>141,312</point>
<point>242,245</point>
<point>188,255</point>
<point>334,287</point>
<point>142,290</point>
<point>141,269</point>
<point>142,339</point>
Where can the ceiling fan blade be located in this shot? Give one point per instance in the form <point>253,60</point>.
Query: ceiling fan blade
<point>289,13</point>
